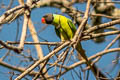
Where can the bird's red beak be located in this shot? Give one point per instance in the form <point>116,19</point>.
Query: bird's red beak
<point>43,20</point>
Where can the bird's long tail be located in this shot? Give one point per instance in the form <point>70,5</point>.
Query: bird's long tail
<point>81,52</point>
<point>94,69</point>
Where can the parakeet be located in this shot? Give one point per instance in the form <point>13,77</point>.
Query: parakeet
<point>65,30</point>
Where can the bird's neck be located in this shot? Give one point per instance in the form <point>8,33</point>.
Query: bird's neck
<point>56,19</point>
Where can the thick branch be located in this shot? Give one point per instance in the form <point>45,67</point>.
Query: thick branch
<point>91,36</point>
<point>86,32</point>
<point>42,60</point>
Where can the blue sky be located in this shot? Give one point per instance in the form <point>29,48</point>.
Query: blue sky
<point>9,31</point>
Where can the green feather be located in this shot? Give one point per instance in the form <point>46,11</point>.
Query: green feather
<point>64,27</point>
<point>71,25</point>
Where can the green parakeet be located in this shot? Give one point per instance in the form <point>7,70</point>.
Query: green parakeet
<point>65,30</point>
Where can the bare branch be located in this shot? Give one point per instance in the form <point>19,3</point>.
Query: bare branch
<point>20,69</point>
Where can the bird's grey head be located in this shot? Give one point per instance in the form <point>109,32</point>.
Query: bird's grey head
<point>48,18</point>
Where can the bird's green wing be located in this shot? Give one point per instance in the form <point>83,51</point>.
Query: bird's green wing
<point>71,25</point>
<point>57,32</point>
